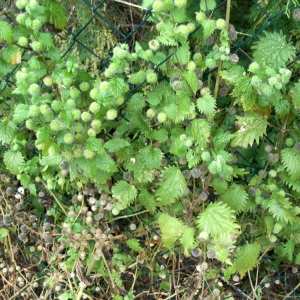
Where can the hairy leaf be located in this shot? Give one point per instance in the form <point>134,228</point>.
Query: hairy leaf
<point>217,219</point>
<point>134,244</point>
<point>171,229</point>
<point>236,197</point>
<point>151,157</point>
<point>7,131</point>
<point>183,54</point>
<point>13,160</point>
<point>188,240</point>
<point>201,132</point>
<point>252,127</point>
<point>172,186</point>
<point>94,144</point>
<point>272,50</point>
<point>56,12</point>
<point>295,92</point>
<point>147,200</point>
<point>291,161</point>
<point>53,160</point>
<point>192,80</point>
<point>207,4</point>
<point>5,32</point>
<point>21,113</point>
<point>117,86</point>
<point>207,106</point>
<point>116,144</point>
<point>247,258</point>
<point>209,27</point>
<point>160,135</point>
<point>124,192</point>
<point>106,163</point>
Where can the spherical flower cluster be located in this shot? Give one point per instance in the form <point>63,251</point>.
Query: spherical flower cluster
<point>220,24</point>
<point>154,45</point>
<point>111,114</point>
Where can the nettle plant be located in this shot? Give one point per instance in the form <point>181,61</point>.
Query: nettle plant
<point>209,147</point>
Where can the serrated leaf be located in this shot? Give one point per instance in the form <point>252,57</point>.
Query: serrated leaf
<point>269,223</point>
<point>5,67</point>
<point>207,106</point>
<point>172,186</point>
<point>160,135</point>
<point>56,13</point>
<point>53,160</point>
<point>295,92</point>
<point>179,15</point>
<point>13,160</point>
<point>192,158</point>
<point>171,229</point>
<point>247,258</point>
<point>94,144</point>
<point>207,5</point>
<point>136,102</point>
<point>8,131</point>
<point>116,144</point>
<point>134,244</point>
<point>21,113</point>
<point>147,200</point>
<point>236,197</point>
<point>46,39</point>
<point>124,192</point>
<point>25,180</point>
<point>12,54</point>
<point>32,189</point>
<point>106,163</point>
<point>5,32</point>
<point>291,162</point>
<point>252,127</point>
<point>188,240</point>
<point>20,31</point>
<point>151,157</point>
<point>217,219</point>
<point>117,86</point>
<point>272,50</point>
<point>209,27</point>
<point>43,134</point>
<point>221,139</point>
<point>70,295</point>
<point>192,80</point>
<point>183,55</point>
<point>201,132</point>
<point>297,260</point>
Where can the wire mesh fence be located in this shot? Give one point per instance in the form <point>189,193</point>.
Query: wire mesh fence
<point>131,27</point>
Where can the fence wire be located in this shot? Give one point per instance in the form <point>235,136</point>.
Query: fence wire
<point>129,33</point>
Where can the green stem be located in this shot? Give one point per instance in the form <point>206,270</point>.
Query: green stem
<point>128,216</point>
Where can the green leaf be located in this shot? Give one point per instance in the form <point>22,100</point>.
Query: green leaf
<point>207,106</point>
<point>201,132</point>
<point>269,224</point>
<point>11,54</point>
<point>160,135</point>
<point>236,197</point>
<point>192,80</point>
<point>53,160</point>
<point>21,113</point>
<point>171,229</point>
<point>183,55</point>
<point>5,32</point>
<point>193,158</point>
<point>295,92</point>
<point>147,3</point>
<point>8,131</point>
<point>3,233</point>
<point>106,163</point>
<point>134,244</point>
<point>290,158</point>
<point>206,5</point>
<point>44,134</point>
<point>179,15</point>
<point>25,180</point>
<point>147,200</point>
<point>247,258</point>
<point>94,144</point>
<point>5,67</point>
<point>151,157</point>
<point>172,186</point>
<point>13,160</point>
<point>70,295</point>
<point>66,117</point>
<point>117,86</point>
<point>217,219</point>
<point>32,189</point>
<point>124,192</point>
<point>116,144</point>
<point>20,31</point>
<point>56,13</point>
<point>209,27</point>
<point>188,241</point>
<point>136,102</point>
<point>297,260</point>
<point>252,127</point>
<point>272,50</point>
